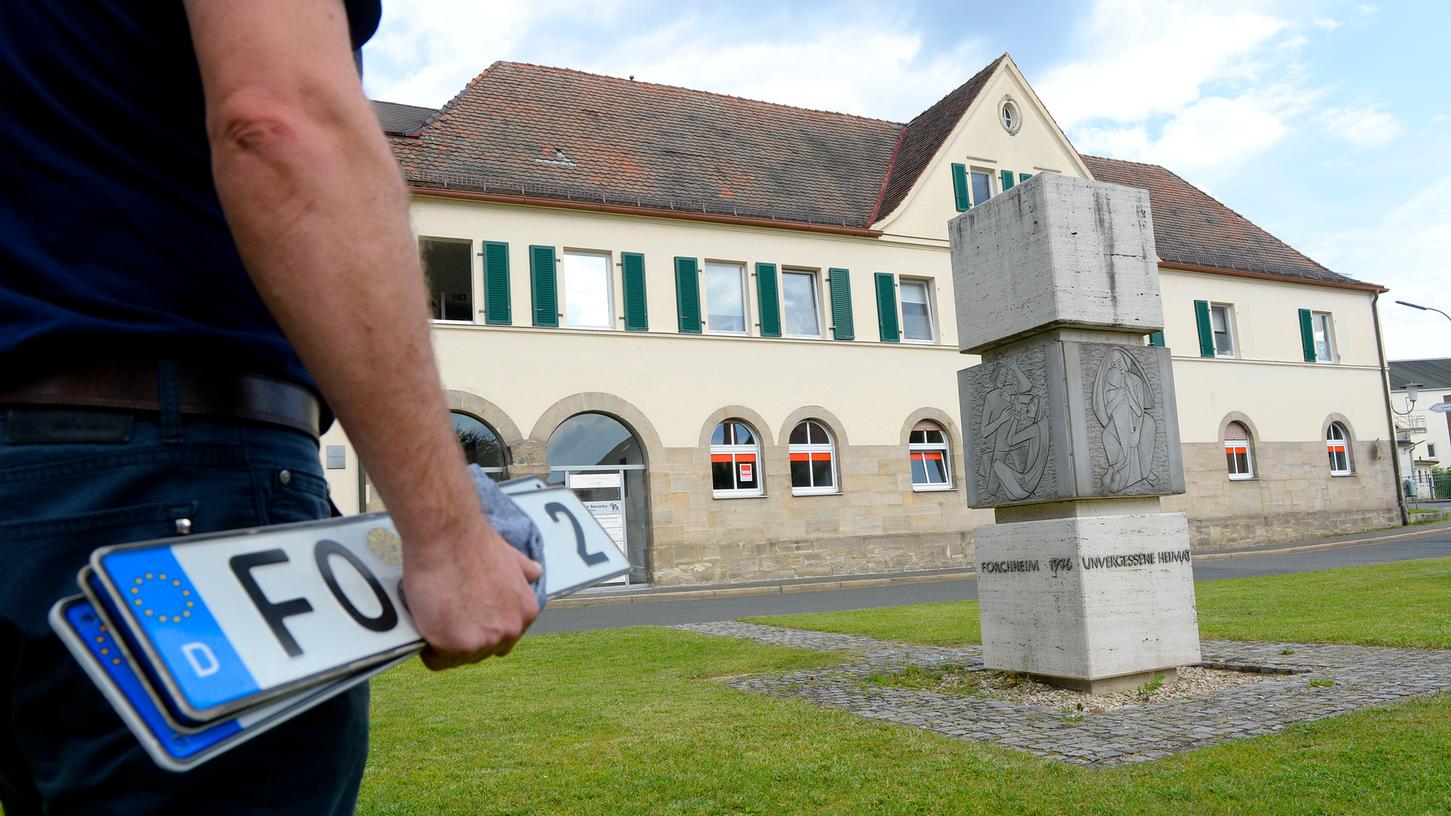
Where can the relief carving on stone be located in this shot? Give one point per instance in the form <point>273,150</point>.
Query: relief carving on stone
<point>1122,400</point>
<point>1015,433</point>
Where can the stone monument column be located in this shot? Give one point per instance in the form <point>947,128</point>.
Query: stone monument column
<point>1072,436</point>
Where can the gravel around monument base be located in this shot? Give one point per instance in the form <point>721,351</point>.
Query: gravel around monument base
<point>1015,688</point>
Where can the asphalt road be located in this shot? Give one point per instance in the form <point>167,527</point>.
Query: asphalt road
<point>1433,544</point>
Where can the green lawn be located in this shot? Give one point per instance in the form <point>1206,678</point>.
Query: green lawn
<point>632,721</point>
<point>1401,604</point>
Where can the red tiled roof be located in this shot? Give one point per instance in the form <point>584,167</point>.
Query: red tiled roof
<point>558,133</point>
<point>923,136</point>
<point>1194,229</point>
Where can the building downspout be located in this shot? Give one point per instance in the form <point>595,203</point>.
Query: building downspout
<point>1385,377</point>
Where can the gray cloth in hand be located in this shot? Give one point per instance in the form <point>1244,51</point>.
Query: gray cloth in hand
<point>512,523</point>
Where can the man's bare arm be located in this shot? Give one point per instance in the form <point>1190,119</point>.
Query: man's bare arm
<point>319,212</point>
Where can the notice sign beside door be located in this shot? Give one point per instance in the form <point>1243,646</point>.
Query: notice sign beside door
<point>603,495</point>
<point>611,516</point>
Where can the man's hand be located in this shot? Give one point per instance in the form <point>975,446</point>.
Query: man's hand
<point>473,605</point>
<point>316,204</point>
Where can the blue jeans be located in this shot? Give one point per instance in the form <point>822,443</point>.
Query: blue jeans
<point>71,481</point>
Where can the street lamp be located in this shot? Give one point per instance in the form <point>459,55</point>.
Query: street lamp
<point>1413,392</point>
<point>1424,308</point>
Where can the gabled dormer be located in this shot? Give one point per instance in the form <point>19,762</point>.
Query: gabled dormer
<point>982,138</point>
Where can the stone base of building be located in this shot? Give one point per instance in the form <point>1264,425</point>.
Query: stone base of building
<point>813,558</point>
<point>1234,532</point>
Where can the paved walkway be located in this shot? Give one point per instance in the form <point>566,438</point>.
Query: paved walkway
<point>663,607</point>
<point>1363,676</point>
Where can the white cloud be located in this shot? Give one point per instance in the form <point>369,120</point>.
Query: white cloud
<point>1326,23</point>
<point>1365,126</point>
<point>1143,58</point>
<point>425,52</point>
<point>869,63</point>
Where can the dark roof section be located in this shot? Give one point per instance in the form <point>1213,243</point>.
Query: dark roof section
<point>556,133</point>
<point>924,136</point>
<point>1192,228</point>
<point>399,119</point>
<point>1431,374</point>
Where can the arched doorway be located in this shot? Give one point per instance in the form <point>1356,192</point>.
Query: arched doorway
<point>601,459</point>
<point>481,444</point>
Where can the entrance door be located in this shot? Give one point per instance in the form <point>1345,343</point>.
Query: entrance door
<point>601,460</point>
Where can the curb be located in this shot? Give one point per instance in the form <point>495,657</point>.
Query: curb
<point>659,596</point>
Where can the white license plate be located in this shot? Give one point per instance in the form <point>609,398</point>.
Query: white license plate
<point>93,644</point>
<point>229,620</point>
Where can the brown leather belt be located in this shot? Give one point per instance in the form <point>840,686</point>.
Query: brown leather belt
<point>203,392</point>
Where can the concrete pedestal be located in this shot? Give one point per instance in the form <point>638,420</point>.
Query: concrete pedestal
<point>1070,424</point>
<point>1088,602</point>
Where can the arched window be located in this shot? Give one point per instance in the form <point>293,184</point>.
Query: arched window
<point>1238,455</point>
<point>735,460</point>
<point>813,459</point>
<point>1337,444</point>
<point>931,464</point>
<point>481,445</point>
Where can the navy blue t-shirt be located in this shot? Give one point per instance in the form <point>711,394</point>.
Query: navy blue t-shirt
<point>112,240</point>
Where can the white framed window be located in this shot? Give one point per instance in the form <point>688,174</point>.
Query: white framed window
<point>1221,323</point>
<point>1431,450</point>
<point>1009,116</point>
<point>916,297</point>
<point>735,461</point>
<point>982,185</point>
<point>1238,452</point>
<point>448,270</point>
<point>1324,329</point>
<point>813,459</point>
<point>588,290</point>
<point>1337,445</point>
<point>931,460</point>
<point>801,302</point>
<point>725,298</point>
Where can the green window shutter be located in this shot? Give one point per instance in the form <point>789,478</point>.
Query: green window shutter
<point>1206,333</point>
<point>1022,177</point>
<point>1007,180</point>
<point>496,284</point>
<point>1157,338</point>
<point>687,294</point>
<point>543,287</point>
<point>1307,335</point>
<point>840,282</point>
<point>959,187</point>
<point>632,270</point>
<point>769,296</point>
<point>887,307</point>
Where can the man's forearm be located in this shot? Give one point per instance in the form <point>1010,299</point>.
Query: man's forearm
<point>319,212</point>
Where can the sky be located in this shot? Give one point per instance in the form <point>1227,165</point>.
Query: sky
<point>1326,123</point>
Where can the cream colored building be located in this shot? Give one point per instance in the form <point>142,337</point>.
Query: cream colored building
<point>1424,436</point>
<point>730,324</point>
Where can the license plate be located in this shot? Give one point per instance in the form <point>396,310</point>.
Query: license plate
<point>230,620</point>
<point>94,645</point>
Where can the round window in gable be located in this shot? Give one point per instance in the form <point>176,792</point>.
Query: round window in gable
<point>1009,116</point>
